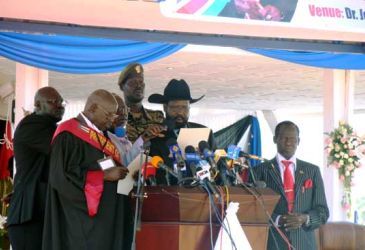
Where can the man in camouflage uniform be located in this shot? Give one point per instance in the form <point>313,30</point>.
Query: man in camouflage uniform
<point>131,82</point>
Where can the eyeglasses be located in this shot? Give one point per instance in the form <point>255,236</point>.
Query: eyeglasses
<point>57,102</point>
<point>111,116</point>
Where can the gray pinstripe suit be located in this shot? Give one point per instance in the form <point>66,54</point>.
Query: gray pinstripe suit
<point>311,201</point>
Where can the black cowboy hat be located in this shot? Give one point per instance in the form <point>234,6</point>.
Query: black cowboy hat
<point>175,90</point>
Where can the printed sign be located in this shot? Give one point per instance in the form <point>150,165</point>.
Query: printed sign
<point>326,14</point>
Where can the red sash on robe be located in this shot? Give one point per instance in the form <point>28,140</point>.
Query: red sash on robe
<point>89,135</point>
<point>94,185</point>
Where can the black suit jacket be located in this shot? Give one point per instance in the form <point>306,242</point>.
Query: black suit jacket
<point>309,199</point>
<point>32,140</point>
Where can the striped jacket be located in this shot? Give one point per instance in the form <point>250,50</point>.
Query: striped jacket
<point>309,199</point>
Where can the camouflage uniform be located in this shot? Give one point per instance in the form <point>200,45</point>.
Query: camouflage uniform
<point>138,122</point>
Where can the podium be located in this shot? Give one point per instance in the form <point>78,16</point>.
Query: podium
<point>177,218</point>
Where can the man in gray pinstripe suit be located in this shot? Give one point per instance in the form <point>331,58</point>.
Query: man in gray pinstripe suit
<point>308,210</point>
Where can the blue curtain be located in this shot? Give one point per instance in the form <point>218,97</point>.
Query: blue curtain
<point>317,59</point>
<point>85,55</point>
<point>255,140</point>
<point>82,55</point>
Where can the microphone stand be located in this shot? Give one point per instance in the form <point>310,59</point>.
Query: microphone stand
<point>140,194</point>
<point>255,183</point>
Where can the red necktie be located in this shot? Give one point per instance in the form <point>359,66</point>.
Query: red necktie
<point>288,185</point>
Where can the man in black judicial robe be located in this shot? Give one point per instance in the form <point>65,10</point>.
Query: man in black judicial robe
<point>72,220</point>
<point>176,102</point>
<point>32,141</point>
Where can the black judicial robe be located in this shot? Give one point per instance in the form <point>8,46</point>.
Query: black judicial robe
<point>67,223</point>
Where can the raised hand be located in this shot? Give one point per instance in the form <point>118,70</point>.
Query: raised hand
<point>152,131</point>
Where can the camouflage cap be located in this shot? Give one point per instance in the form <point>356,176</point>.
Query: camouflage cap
<point>131,70</point>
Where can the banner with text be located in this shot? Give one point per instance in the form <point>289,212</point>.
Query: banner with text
<point>339,20</point>
<point>315,14</point>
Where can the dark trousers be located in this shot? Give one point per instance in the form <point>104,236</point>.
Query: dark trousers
<point>26,236</point>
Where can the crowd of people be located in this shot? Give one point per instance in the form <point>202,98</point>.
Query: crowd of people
<point>65,187</point>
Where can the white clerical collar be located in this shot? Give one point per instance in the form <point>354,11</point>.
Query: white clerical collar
<point>90,124</point>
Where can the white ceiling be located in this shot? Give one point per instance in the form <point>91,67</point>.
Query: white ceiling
<point>229,80</point>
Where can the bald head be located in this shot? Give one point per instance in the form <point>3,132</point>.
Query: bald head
<point>47,101</point>
<point>101,97</point>
<point>101,108</point>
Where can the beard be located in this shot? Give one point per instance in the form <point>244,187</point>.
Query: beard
<point>179,121</point>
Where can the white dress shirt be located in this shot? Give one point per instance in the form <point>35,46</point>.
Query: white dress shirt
<point>292,166</point>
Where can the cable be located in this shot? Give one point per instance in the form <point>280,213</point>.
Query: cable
<point>139,200</point>
<point>257,195</point>
<point>222,211</point>
<point>210,219</point>
<point>187,179</point>
<point>221,222</point>
<point>227,192</point>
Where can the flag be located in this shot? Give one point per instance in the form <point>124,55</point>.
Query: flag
<point>6,152</point>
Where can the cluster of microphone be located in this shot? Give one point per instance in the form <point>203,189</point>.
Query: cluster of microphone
<point>201,166</point>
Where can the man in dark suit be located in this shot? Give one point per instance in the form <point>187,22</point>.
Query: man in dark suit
<point>32,140</point>
<point>176,102</point>
<point>302,206</point>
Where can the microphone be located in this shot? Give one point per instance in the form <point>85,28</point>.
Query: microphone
<point>253,157</point>
<point>218,154</point>
<point>222,167</point>
<point>157,162</point>
<point>204,175</point>
<point>220,159</point>
<point>149,173</point>
<point>235,151</point>
<point>208,154</point>
<point>192,158</point>
<point>176,152</point>
<point>177,157</point>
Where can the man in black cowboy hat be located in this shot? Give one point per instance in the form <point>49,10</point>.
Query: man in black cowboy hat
<point>131,82</point>
<point>176,102</point>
